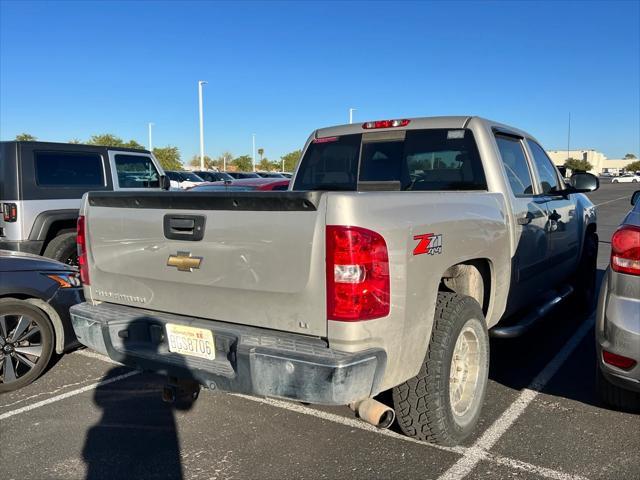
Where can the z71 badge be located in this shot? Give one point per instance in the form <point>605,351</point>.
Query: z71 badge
<point>430,243</point>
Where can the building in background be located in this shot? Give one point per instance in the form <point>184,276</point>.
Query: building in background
<point>601,164</point>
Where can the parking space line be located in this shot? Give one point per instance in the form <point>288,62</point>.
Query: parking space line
<point>611,201</point>
<point>90,354</point>
<point>62,396</point>
<point>490,437</point>
<point>361,425</point>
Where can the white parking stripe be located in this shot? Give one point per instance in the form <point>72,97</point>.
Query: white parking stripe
<point>72,393</point>
<point>478,451</point>
<point>361,425</point>
<point>90,354</point>
<point>627,197</point>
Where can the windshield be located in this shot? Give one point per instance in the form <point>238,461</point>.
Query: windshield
<point>429,159</point>
<point>191,177</point>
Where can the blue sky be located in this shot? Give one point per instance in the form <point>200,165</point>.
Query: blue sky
<point>73,69</point>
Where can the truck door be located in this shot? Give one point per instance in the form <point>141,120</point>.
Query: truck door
<point>529,262</point>
<point>563,225</point>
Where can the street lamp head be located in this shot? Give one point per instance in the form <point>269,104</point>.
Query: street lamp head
<point>202,82</point>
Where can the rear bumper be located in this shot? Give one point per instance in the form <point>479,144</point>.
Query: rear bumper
<point>27,246</point>
<point>248,360</point>
<point>618,331</point>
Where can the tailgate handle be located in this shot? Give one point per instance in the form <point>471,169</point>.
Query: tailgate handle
<point>184,227</point>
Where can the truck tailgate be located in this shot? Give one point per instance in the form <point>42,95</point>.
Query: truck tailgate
<point>260,260</point>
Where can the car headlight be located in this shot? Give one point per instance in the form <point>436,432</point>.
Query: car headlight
<point>66,280</point>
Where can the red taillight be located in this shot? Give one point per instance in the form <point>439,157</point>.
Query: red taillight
<point>357,274</point>
<point>9,212</point>
<point>619,361</point>
<point>386,124</point>
<point>625,250</point>
<point>81,240</point>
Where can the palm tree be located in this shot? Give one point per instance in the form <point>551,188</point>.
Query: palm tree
<point>261,152</point>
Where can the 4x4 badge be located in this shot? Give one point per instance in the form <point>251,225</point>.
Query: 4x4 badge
<point>184,261</point>
<point>429,243</point>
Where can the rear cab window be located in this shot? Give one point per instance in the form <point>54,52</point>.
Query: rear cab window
<point>136,171</point>
<point>424,159</point>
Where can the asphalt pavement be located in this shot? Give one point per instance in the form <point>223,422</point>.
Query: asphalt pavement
<point>88,418</point>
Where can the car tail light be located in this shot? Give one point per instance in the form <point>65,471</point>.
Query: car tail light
<point>82,250</point>
<point>9,212</point>
<point>386,124</point>
<point>357,274</point>
<point>625,363</point>
<point>625,250</point>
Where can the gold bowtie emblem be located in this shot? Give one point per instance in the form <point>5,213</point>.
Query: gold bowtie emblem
<point>184,261</point>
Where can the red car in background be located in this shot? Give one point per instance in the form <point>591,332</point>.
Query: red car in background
<point>246,184</point>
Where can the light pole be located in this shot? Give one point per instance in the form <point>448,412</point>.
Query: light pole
<point>351,110</point>
<point>151,137</point>
<point>253,156</point>
<point>200,83</point>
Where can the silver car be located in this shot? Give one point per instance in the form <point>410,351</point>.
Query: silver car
<point>618,321</point>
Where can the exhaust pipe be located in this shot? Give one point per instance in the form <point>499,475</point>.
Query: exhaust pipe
<point>373,412</point>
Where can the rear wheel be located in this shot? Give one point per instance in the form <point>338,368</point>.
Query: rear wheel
<point>615,396</point>
<point>63,248</point>
<point>26,343</point>
<point>442,403</point>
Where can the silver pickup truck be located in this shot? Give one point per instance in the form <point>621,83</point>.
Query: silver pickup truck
<point>400,246</point>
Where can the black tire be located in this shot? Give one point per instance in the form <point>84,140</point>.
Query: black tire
<point>616,397</point>
<point>10,310</point>
<point>584,282</point>
<point>614,181</point>
<point>63,248</point>
<point>423,403</point>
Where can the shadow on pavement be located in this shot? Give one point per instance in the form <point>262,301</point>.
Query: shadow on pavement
<point>516,362</point>
<point>136,436</point>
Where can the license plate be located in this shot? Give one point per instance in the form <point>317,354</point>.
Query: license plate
<point>192,341</point>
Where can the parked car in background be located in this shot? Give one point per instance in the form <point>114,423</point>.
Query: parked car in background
<point>287,174</point>
<point>270,174</point>
<point>35,296</point>
<point>626,178</point>
<point>618,317</point>
<point>41,184</point>
<point>401,245</point>
<point>247,184</point>
<point>238,175</point>
<point>183,180</point>
<point>210,176</point>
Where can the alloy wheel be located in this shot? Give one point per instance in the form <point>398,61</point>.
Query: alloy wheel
<point>21,344</point>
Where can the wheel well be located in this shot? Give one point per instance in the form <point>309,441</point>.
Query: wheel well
<point>472,278</point>
<point>591,228</point>
<point>58,228</point>
<point>48,310</point>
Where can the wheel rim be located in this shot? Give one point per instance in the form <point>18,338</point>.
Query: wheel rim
<point>20,346</point>
<point>464,373</point>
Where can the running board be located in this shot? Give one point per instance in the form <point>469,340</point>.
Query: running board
<point>528,321</point>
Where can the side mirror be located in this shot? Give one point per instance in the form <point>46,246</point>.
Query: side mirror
<point>635,197</point>
<point>584,182</point>
<point>165,183</point>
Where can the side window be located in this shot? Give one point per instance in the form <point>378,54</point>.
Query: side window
<point>546,170</point>
<point>69,169</point>
<point>515,164</point>
<point>136,171</point>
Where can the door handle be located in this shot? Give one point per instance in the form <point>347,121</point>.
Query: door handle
<point>184,227</point>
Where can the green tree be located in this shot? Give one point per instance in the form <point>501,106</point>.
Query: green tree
<point>265,165</point>
<point>209,162</point>
<point>224,160</point>
<point>578,165</point>
<point>243,163</point>
<point>74,141</point>
<point>630,156</point>
<point>291,160</point>
<point>169,157</point>
<point>111,140</point>
<point>25,137</point>
<point>633,166</point>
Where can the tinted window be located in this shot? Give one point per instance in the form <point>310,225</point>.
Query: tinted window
<point>175,176</point>
<point>136,171</point>
<point>515,164</point>
<point>546,170</point>
<point>191,177</point>
<point>59,169</point>
<point>432,159</point>
<point>330,165</point>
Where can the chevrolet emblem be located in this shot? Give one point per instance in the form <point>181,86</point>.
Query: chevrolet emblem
<point>184,261</point>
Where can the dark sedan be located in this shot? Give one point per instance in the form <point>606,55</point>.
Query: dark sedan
<point>35,296</point>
